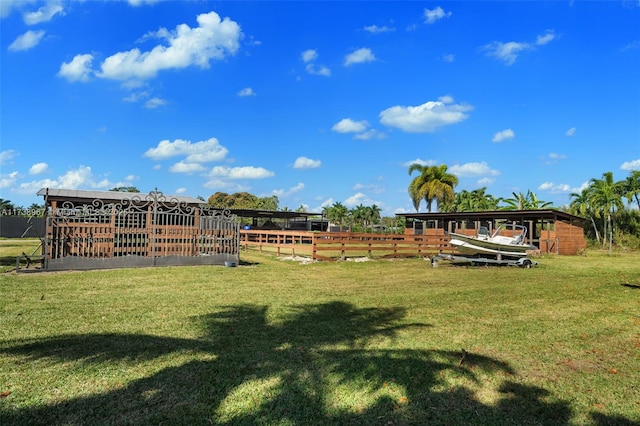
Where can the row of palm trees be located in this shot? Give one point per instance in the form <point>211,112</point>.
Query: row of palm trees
<point>434,184</point>
<point>602,201</point>
<point>361,215</point>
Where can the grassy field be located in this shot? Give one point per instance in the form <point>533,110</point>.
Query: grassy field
<point>383,342</point>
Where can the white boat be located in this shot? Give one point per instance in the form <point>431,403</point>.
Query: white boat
<point>507,241</point>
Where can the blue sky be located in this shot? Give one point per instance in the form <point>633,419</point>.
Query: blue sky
<point>317,102</point>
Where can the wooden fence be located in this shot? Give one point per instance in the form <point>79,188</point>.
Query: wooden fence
<point>341,245</point>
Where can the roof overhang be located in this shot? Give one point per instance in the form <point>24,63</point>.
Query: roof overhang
<point>85,196</point>
<point>509,215</point>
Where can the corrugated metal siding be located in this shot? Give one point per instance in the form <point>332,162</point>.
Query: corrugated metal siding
<point>20,226</point>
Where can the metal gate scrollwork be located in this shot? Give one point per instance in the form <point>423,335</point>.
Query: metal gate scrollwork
<point>145,230</point>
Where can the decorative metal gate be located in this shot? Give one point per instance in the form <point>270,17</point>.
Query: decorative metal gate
<point>142,231</point>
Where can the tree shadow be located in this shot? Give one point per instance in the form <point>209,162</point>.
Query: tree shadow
<point>633,286</point>
<point>317,366</point>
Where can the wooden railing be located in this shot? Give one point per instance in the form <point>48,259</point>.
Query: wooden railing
<point>341,245</point>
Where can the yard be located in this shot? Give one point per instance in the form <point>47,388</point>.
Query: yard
<point>280,342</point>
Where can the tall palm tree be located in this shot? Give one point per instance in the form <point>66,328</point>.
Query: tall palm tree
<point>433,184</point>
<point>632,186</point>
<point>374,213</point>
<point>606,197</point>
<point>581,206</point>
<point>337,213</point>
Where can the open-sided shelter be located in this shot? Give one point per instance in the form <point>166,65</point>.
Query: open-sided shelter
<point>552,231</point>
<point>109,229</point>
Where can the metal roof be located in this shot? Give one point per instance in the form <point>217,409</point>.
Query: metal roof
<point>84,195</point>
<point>515,215</point>
<point>272,214</point>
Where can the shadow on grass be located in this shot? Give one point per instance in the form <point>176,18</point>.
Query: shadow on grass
<point>314,367</point>
<point>633,286</point>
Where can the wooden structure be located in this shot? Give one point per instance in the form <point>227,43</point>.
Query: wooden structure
<point>98,229</point>
<point>552,231</point>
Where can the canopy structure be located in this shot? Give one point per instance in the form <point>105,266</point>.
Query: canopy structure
<point>553,231</point>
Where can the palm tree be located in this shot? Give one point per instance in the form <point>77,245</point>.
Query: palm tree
<point>433,184</point>
<point>359,215</point>
<point>605,196</point>
<point>581,205</point>
<point>337,213</point>
<point>528,201</point>
<point>632,187</point>
<point>471,201</point>
<point>374,214</point>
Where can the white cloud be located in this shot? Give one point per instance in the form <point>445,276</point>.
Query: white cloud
<point>433,15</point>
<point>7,6</point>
<point>508,52</point>
<point>38,168</point>
<point>8,180</point>
<point>631,165</point>
<point>7,156</point>
<point>361,198</point>
<point>503,135</point>
<point>419,161</point>
<point>545,38</point>
<point>246,172</point>
<point>347,125</point>
<point>213,38</point>
<point>44,14</point>
<point>306,163</point>
<point>287,192</point>
<point>181,190</point>
<point>449,57</point>
<point>321,70</point>
<point>374,29</point>
<point>473,170</point>
<point>199,152</point>
<point>370,134</point>
<point>247,91</point>
<point>137,3</point>
<point>184,167</point>
<point>556,156</point>
<point>78,69</point>
<point>309,55</point>
<point>375,189</point>
<point>632,45</point>
<point>571,131</point>
<point>27,40</point>
<point>555,188</point>
<point>426,117</point>
<point>82,177</point>
<point>137,96</point>
<point>154,103</point>
<point>229,186</point>
<point>359,56</point>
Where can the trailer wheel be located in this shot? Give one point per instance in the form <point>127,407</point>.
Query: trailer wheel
<point>526,264</point>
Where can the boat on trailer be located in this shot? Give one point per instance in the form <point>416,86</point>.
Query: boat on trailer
<point>507,242</point>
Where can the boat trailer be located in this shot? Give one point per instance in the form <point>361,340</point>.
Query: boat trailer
<point>523,262</point>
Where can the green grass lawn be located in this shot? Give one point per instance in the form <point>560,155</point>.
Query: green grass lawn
<point>279,342</point>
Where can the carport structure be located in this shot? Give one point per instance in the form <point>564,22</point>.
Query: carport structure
<point>552,231</point>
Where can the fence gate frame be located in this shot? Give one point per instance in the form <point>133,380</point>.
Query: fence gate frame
<point>137,231</point>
